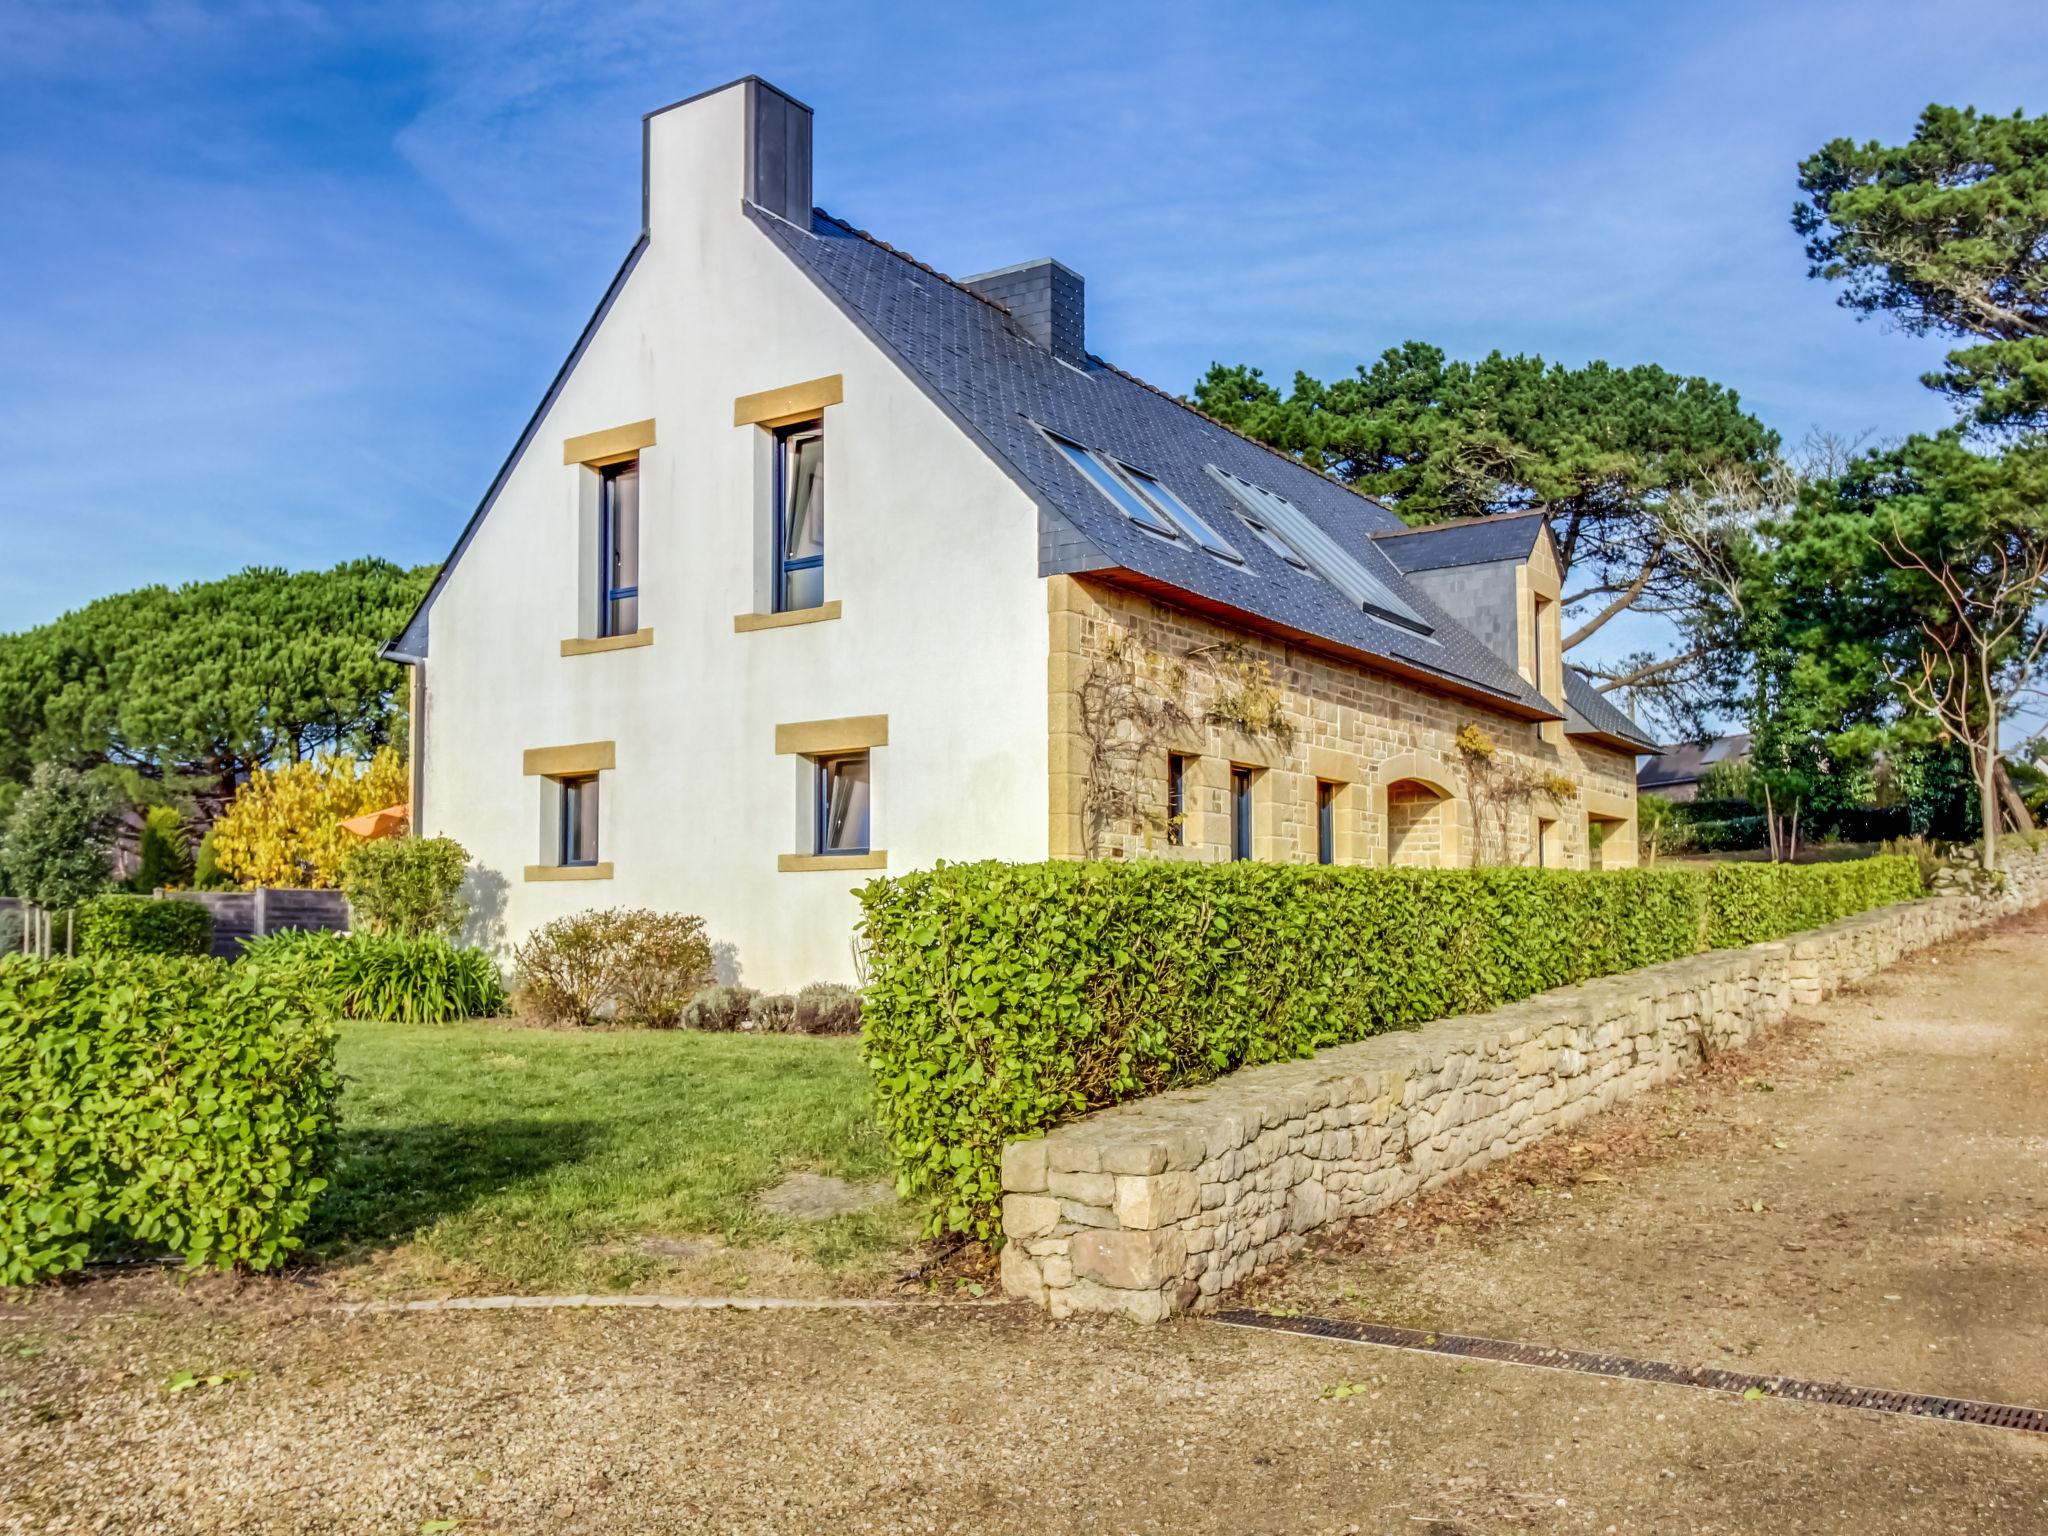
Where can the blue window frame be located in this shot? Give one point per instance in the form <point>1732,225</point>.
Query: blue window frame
<point>618,549</point>
<point>1326,822</point>
<point>579,821</point>
<point>800,517</point>
<point>1111,484</point>
<point>842,804</point>
<point>1176,799</point>
<point>1240,813</point>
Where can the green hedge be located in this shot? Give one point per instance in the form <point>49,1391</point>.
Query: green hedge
<point>364,976</point>
<point>142,925</point>
<point>1007,998</point>
<point>185,1104</point>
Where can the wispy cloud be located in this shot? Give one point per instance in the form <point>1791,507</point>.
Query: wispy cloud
<point>281,281</point>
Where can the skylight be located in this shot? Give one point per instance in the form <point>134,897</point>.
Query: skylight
<point>1143,499</point>
<point>1294,536</point>
<point>1112,485</point>
<point>1181,513</point>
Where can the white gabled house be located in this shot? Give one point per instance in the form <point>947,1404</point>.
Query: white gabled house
<point>655,671</point>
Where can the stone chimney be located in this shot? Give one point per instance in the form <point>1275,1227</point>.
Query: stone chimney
<point>1046,302</point>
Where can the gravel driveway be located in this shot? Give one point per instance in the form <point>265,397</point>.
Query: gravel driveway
<point>1897,1148</point>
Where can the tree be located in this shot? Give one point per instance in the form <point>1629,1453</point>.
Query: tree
<point>1624,462</point>
<point>58,847</point>
<point>1946,234</point>
<point>284,826</point>
<point>212,680</point>
<point>1914,591</point>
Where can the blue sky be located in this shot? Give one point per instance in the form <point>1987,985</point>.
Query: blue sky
<point>280,283</point>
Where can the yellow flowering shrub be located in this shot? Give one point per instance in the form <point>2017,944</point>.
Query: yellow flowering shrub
<point>283,827</point>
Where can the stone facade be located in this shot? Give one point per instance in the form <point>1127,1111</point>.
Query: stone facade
<point>1159,1206</point>
<point>1402,791</point>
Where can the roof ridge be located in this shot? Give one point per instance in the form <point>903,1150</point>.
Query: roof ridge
<point>902,255</point>
<point>1122,373</point>
<point>1460,522</point>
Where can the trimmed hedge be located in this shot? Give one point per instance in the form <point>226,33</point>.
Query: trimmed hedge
<point>142,925</point>
<point>186,1104</point>
<point>1005,999</point>
<point>363,976</point>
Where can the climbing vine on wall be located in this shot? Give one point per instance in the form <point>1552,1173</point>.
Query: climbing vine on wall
<point>1134,705</point>
<point>1497,787</point>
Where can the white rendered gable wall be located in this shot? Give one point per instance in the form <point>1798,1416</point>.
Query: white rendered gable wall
<point>931,550</point>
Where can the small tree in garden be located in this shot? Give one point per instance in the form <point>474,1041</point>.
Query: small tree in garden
<point>58,847</point>
<point>624,967</point>
<point>284,826</point>
<point>164,857</point>
<point>406,886</point>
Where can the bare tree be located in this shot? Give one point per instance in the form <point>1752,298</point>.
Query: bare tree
<point>1980,656</point>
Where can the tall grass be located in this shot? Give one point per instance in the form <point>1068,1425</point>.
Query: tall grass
<point>361,976</point>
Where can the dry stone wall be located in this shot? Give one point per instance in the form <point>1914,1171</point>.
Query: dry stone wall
<point>1159,1206</point>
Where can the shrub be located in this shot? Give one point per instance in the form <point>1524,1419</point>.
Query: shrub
<point>1007,998</point>
<point>183,1103</point>
<point>10,931</point>
<point>720,1009</point>
<point>363,976</point>
<point>57,847</point>
<point>164,852</point>
<point>283,828</point>
<point>207,875</point>
<point>626,967</point>
<point>142,925</point>
<point>773,1013</point>
<point>827,1008</point>
<point>406,886</point>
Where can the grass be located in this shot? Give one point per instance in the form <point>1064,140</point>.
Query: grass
<point>489,1157</point>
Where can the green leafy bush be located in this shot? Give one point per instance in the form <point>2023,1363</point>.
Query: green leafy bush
<point>182,1103</point>
<point>624,967</point>
<point>406,886</point>
<point>1006,998</point>
<point>720,1009</point>
<point>142,925</point>
<point>57,846</point>
<point>362,976</point>
<point>164,852</point>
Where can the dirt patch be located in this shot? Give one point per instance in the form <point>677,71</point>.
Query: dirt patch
<point>1852,1200</point>
<point>815,1197</point>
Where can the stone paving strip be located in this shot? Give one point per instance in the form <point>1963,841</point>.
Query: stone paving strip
<point>668,1304</point>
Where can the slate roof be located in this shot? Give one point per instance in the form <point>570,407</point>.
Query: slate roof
<point>1463,541</point>
<point>1587,712</point>
<point>1685,761</point>
<point>963,350</point>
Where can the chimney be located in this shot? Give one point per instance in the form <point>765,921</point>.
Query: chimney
<point>779,153</point>
<point>1045,300</point>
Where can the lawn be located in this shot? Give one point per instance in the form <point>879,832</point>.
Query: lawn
<point>487,1157</point>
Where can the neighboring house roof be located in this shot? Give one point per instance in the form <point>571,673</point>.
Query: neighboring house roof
<point>1588,713</point>
<point>1464,541</point>
<point>994,382</point>
<point>1685,761</point>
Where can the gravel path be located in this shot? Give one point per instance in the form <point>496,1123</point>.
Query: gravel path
<point>1904,1210</point>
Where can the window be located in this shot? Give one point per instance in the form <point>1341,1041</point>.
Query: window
<point>842,805</point>
<point>1326,822</point>
<point>1179,512</point>
<point>618,550</point>
<point>1112,485</point>
<point>1293,535</point>
<point>1240,813</point>
<point>1546,830</point>
<point>1539,614</point>
<point>1176,799</point>
<point>800,517</point>
<point>579,820</point>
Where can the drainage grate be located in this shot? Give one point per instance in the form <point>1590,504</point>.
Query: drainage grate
<point>1952,1410</point>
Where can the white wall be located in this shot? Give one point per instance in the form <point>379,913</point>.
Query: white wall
<point>931,549</point>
